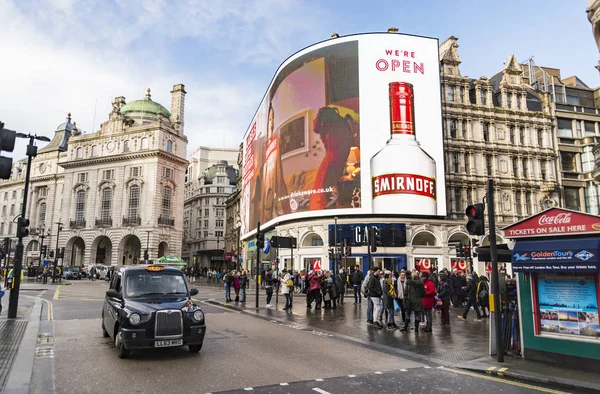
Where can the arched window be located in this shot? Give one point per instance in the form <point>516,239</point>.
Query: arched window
<point>80,208</point>
<point>94,150</point>
<point>166,202</point>
<point>42,215</point>
<point>144,143</point>
<point>79,153</point>
<point>106,206</point>
<point>126,146</point>
<point>134,201</point>
<point>313,240</point>
<point>169,146</point>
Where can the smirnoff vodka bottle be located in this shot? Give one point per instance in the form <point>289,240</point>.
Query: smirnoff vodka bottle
<point>403,174</point>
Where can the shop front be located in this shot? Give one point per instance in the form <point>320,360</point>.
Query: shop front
<point>556,259</point>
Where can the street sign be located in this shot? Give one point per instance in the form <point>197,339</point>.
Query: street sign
<point>240,260</point>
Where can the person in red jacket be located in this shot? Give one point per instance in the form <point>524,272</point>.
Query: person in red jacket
<point>428,300</point>
<point>314,290</point>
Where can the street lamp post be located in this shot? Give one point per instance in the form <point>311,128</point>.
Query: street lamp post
<point>147,251</point>
<point>57,251</point>
<point>22,225</point>
<point>42,236</point>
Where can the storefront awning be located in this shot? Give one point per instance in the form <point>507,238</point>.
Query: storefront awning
<point>561,255</point>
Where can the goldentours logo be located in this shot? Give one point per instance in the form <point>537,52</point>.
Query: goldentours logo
<point>584,255</point>
<point>521,257</point>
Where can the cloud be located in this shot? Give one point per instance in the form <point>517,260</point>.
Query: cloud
<point>74,56</point>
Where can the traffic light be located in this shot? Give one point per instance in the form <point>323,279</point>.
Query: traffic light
<point>62,253</point>
<point>467,252</point>
<point>460,251</point>
<point>260,240</point>
<point>2,254</point>
<point>476,219</point>
<point>146,257</point>
<point>52,254</point>
<point>330,253</point>
<point>474,246</point>
<point>374,238</point>
<point>7,144</point>
<point>348,251</point>
<point>6,245</point>
<point>22,227</point>
<point>44,250</point>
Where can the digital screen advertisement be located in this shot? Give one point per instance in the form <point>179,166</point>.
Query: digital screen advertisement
<point>568,305</point>
<point>352,125</point>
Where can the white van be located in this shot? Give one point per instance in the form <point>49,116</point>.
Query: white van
<point>101,271</point>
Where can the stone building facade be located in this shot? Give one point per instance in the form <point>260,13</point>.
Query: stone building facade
<point>497,127</point>
<point>114,192</point>
<point>233,224</point>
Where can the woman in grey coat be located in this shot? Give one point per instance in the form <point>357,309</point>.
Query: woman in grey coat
<point>413,300</point>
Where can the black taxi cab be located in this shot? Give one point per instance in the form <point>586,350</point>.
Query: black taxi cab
<point>150,306</point>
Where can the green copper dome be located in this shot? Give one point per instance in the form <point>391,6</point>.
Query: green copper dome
<point>146,106</point>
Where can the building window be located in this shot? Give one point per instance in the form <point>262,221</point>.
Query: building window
<point>483,96</point>
<point>135,172</point>
<point>206,212</point>
<point>220,212</point>
<point>2,228</point>
<point>568,161</point>
<point>565,128</point>
<point>144,143</point>
<point>82,177</point>
<point>457,200</point>
<point>572,198</point>
<point>205,223</point>
<point>43,192</point>
<point>126,146</point>
<point>527,203</point>
<point>455,163</point>
<point>219,234</point>
<point>12,209</point>
<point>587,159</point>
<point>108,174</point>
<point>219,223</point>
<point>10,228</point>
<point>515,167</point>
<point>467,164</point>
<point>95,150</point>
<point>79,153</point>
<point>522,138</point>
<point>512,134</point>
<point>42,214</point>
<point>469,196</point>
<point>206,233</point>
<point>462,94</point>
<point>453,128</point>
<point>450,90</point>
<point>4,210</point>
<point>106,206</point>
<point>169,146</point>
<point>220,190</point>
<point>14,194</point>
<point>488,164</point>
<point>525,168</point>
<point>591,199</point>
<point>486,132</point>
<point>134,201</point>
<point>543,169</point>
<point>221,179</point>
<point>166,202</point>
<point>590,128</point>
<point>80,207</point>
<point>540,136</point>
<point>518,204</point>
<point>167,172</point>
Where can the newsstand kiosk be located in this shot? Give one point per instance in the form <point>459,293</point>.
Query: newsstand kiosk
<point>556,258</point>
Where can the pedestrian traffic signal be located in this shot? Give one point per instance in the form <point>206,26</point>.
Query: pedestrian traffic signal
<point>52,254</point>
<point>330,253</point>
<point>44,250</point>
<point>474,246</point>
<point>22,227</point>
<point>146,256</point>
<point>460,252</point>
<point>467,252</point>
<point>7,144</point>
<point>476,219</point>
<point>348,251</point>
<point>260,240</point>
<point>62,253</point>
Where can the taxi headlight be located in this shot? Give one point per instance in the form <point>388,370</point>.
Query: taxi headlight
<point>134,319</point>
<point>198,315</point>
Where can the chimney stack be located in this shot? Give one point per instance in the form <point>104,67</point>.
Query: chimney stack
<point>393,30</point>
<point>178,107</point>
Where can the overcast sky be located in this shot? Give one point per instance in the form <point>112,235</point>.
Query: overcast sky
<point>66,55</point>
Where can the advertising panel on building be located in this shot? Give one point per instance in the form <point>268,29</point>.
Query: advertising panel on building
<point>351,125</point>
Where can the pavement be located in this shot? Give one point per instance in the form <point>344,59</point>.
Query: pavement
<point>464,346</point>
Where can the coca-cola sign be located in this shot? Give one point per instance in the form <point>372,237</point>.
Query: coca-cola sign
<point>554,221</point>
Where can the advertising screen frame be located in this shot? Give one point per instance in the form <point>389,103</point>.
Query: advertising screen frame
<point>249,228</point>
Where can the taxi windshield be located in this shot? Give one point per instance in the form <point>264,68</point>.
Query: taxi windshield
<point>154,284</point>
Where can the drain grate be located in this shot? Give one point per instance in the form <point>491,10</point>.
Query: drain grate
<point>44,339</point>
<point>45,352</point>
<point>11,333</point>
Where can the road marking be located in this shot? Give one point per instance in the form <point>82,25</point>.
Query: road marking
<point>284,384</point>
<point>502,380</point>
<point>427,367</point>
<point>248,388</point>
<point>50,306</point>
<point>378,373</point>
<point>489,370</point>
<point>501,371</point>
<point>319,380</point>
<point>351,376</point>
<point>318,390</point>
<point>57,292</point>
<point>218,306</point>
<point>403,370</point>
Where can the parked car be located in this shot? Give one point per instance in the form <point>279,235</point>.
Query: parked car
<point>71,273</point>
<point>151,307</point>
<point>101,271</point>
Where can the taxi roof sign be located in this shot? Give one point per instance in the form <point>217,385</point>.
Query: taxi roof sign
<point>155,268</point>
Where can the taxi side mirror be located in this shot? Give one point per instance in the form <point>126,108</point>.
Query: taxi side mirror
<point>113,293</point>
<point>193,292</point>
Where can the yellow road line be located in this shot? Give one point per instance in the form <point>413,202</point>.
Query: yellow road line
<point>57,292</point>
<point>502,380</point>
<point>218,306</point>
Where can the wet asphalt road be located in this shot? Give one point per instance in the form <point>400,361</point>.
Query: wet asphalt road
<point>240,352</point>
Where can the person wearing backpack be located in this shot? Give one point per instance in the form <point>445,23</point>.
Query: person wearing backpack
<point>227,282</point>
<point>356,280</point>
<point>483,292</point>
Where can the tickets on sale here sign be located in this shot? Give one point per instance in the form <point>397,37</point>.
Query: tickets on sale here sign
<point>554,221</point>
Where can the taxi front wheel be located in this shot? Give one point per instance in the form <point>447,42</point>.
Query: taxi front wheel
<point>194,348</point>
<point>123,352</point>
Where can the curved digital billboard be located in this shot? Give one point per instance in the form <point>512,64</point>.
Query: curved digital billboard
<point>352,125</point>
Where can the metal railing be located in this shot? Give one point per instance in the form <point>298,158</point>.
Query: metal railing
<point>132,221</point>
<point>77,223</point>
<point>166,221</point>
<point>105,222</point>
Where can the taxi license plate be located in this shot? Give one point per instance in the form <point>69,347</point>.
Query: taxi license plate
<point>171,342</point>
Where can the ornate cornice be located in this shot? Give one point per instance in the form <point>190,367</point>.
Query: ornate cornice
<point>129,156</point>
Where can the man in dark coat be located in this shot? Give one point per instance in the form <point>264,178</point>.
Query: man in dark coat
<point>471,290</point>
<point>340,284</point>
<point>356,280</point>
<point>413,300</point>
<point>375,291</point>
